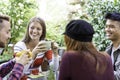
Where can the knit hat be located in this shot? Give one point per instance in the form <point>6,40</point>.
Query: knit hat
<point>79,30</point>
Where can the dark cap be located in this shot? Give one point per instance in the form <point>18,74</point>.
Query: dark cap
<point>113,16</point>
<point>79,30</point>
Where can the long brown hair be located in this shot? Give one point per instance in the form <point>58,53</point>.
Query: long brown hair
<point>87,47</point>
<point>41,22</point>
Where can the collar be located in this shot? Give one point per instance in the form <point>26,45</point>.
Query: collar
<point>117,48</point>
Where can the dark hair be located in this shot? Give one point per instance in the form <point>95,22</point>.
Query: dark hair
<point>113,16</point>
<point>42,23</point>
<point>4,17</point>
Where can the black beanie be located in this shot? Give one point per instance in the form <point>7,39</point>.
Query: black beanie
<point>79,30</point>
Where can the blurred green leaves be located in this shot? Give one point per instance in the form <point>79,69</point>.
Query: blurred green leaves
<point>20,12</point>
<point>96,9</point>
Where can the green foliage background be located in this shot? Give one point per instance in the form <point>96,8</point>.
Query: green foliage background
<point>20,12</point>
<point>96,10</point>
<point>92,10</point>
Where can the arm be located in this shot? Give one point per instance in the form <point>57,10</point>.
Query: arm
<point>56,63</point>
<point>117,75</point>
<point>56,57</point>
<point>65,68</point>
<point>117,67</point>
<point>16,72</point>
<point>110,70</point>
<point>5,68</point>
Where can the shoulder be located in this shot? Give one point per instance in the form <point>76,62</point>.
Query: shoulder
<point>70,54</point>
<point>20,43</point>
<point>19,46</point>
<point>109,47</point>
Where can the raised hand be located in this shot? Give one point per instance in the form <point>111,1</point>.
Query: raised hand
<point>55,48</point>
<point>40,47</point>
<point>24,58</point>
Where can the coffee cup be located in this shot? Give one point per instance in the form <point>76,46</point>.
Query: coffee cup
<point>46,43</point>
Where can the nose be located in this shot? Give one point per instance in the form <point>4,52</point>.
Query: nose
<point>107,28</point>
<point>35,30</point>
<point>9,35</point>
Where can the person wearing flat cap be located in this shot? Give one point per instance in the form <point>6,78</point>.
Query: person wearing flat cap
<point>112,30</point>
<point>82,61</point>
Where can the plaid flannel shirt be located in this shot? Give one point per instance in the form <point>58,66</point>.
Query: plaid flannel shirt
<point>16,70</point>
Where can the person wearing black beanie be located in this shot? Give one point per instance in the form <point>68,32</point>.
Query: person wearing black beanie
<point>82,61</point>
<point>112,30</point>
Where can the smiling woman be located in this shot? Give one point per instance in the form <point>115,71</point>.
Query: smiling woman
<point>35,34</point>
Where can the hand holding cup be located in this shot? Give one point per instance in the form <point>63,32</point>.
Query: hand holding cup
<point>42,46</point>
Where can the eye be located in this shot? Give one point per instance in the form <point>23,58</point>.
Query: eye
<point>112,26</point>
<point>8,32</point>
<point>39,29</point>
<point>31,27</point>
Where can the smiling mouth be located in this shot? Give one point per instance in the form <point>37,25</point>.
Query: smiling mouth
<point>107,34</point>
<point>34,35</point>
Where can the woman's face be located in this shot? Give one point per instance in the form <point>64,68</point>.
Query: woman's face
<point>35,30</point>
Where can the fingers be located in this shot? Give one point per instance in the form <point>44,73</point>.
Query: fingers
<point>26,52</point>
<point>55,48</point>
<point>41,47</point>
<point>54,45</point>
<point>41,43</point>
<point>23,59</point>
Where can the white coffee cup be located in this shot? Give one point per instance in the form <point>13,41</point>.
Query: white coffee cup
<point>48,44</point>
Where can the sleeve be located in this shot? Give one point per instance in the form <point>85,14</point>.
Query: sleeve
<point>16,72</point>
<point>55,63</point>
<point>110,67</point>
<point>19,46</point>
<point>65,68</point>
<point>117,67</point>
<point>5,68</point>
